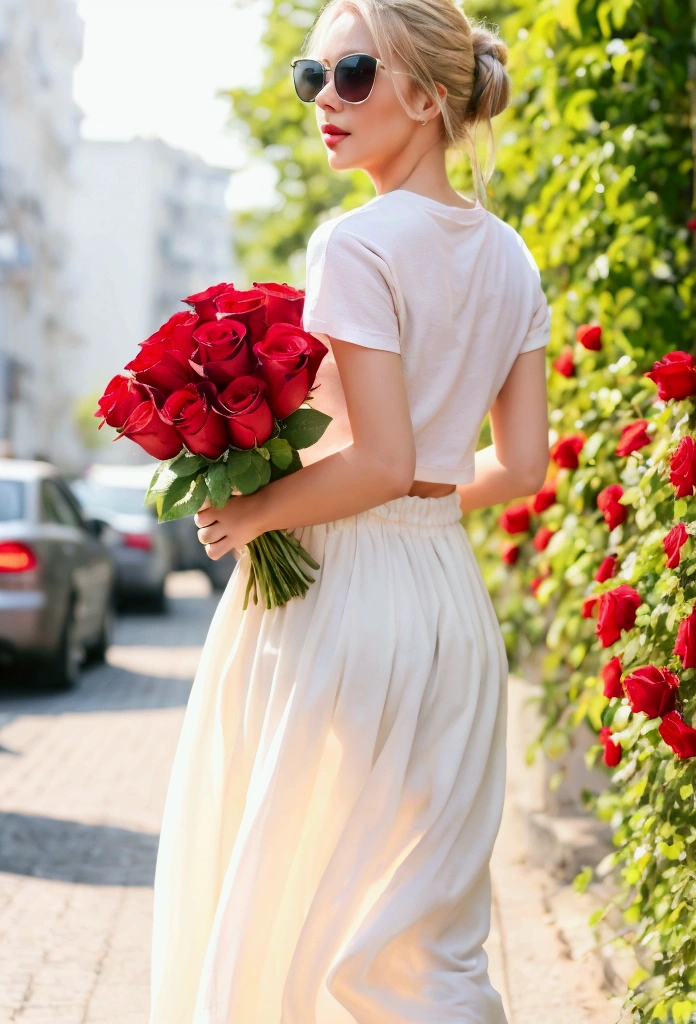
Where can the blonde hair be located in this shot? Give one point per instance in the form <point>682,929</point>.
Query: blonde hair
<point>437,43</point>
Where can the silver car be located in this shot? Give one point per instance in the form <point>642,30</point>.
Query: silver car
<point>56,576</point>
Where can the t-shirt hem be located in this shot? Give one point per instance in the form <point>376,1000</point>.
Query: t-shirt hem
<point>346,332</point>
<point>438,475</point>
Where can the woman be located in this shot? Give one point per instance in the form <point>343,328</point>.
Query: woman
<point>339,779</point>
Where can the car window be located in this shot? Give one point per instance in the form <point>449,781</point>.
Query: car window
<point>56,508</point>
<point>12,501</point>
<point>102,499</point>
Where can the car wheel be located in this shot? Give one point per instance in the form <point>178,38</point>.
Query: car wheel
<point>96,652</point>
<point>62,670</point>
<point>158,601</point>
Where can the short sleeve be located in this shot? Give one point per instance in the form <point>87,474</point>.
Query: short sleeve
<point>349,291</point>
<point>540,328</point>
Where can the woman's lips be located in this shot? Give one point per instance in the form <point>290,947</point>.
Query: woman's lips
<point>332,138</point>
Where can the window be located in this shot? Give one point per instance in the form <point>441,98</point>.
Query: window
<point>56,507</point>
<point>11,500</point>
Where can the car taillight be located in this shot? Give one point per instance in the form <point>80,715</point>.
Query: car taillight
<point>141,541</point>
<point>16,557</point>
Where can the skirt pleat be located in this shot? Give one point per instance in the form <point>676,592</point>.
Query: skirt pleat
<point>337,789</point>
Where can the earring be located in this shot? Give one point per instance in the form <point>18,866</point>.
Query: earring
<point>424,123</point>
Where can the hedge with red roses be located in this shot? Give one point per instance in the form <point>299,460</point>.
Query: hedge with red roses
<point>596,171</point>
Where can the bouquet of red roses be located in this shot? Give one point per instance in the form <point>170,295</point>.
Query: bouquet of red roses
<point>221,394</point>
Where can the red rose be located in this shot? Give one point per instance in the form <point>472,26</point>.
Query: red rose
<point>685,644</point>
<point>542,537</point>
<point>565,450</point>
<point>191,411</point>
<point>544,498</point>
<point>611,674</point>
<point>146,427</point>
<point>249,418</point>
<point>675,376</point>
<point>651,690</point>
<point>678,735</point>
<point>284,304</point>
<point>509,552</point>
<point>673,542</point>
<point>633,436</point>
<point>609,505</point>
<point>514,519</point>
<point>617,611</point>
<point>588,606</point>
<point>161,367</point>
<point>121,396</point>
<point>248,306</point>
<point>564,363</point>
<point>204,302</point>
<point>590,336</point>
<point>177,332</point>
<point>607,569</point>
<point>288,359</point>
<point>223,352</point>
<point>612,749</point>
<point>682,466</point>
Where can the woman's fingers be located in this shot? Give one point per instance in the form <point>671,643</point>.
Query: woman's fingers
<point>205,515</point>
<point>211,534</point>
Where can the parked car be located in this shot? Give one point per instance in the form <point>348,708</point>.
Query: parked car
<point>143,549</point>
<point>56,576</point>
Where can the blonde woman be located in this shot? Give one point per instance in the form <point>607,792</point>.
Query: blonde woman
<point>339,779</point>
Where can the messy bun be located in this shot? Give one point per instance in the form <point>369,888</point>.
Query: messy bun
<point>490,94</point>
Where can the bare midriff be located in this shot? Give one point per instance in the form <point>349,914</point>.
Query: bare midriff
<point>425,489</point>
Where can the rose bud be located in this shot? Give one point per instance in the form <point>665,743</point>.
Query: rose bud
<point>565,450</point>
<point>223,352</point>
<point>607,569</point>
<point>244,405</point>
<point>682,466</point>
<point>284,304</point>
<point>249,307</point>
<point>611,674</point>
<point>514,519</point>
<point>177,332</point>
<point>678,735</point>
<point>617,612</point>
<point>544,498</point>
<point>685,644</point>
<point>542,537</point>
<point>673,542</point>
<point>121,396</point>
<point>675,376</point>
<point>146,427</point>
<point>204,302</point>
<point>633,436</point>
<point>589,336</point>
<point>587,610</point>
<point>691,224</point>
<point>612,749</point>
<point>609,505</point>
<point>651,690</point>
<point>161,368</point>
<point>288,362</point>
<point>191,411</point>
<point>564,363</point>
<point>509,552</point>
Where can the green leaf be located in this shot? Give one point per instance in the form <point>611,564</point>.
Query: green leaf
<point>304,427</point>
<point>176,490</point>
<point>153,487</point>
<point>280,451</point>
<point>191,501</point>
<point>249,472</point>
<point>219,486</point>
<point>187,463</point>
<point>582,880</point>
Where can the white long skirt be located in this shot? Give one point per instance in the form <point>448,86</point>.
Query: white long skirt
<point>337,789</point>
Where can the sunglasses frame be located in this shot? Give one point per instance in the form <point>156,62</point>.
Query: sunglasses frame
<point>326,68</point>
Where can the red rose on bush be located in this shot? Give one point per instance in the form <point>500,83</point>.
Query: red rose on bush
<point>588,606</point>
<point>146,427</point>
<point>612,749</point>
<point>514,519</point>
<point>590,336</point>
<point>617,612</point>
<point>161,367</point>
<point>542,537</point>
<point>607,569</point>
<point>651,690</point>
<point>288,361</point>
<point>249,418</point>
<point>675,376</point>
<point>678,735</point>
<point>682,467</point>
<point>223,351</point>
<point>609,505</point>
<point>204,302</point>
<point>177,332</point>
<point>565,450</point>
<point>534,585</point>
<point>284,304</point>
<point>564,363</point>
<point>191,411</point>
<point>611,674</point>
<point>509,552</point>
<point>685,644</point>
<point>121,397</point>
<point>673,542</point>
<point>544,498</point>
<point>633,436</point>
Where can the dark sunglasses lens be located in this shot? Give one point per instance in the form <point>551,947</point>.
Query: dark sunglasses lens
<point>308,79</point>
<point>355,76</point>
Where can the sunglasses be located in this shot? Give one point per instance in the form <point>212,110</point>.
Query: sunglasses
<point>354,77</point>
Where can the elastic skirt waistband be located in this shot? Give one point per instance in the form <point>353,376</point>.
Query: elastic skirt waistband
<point>408,510</point>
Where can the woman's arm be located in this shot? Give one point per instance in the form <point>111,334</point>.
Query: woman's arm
<point>379,465</point>
<point>515,464</point>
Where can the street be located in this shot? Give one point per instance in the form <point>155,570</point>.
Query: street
<point>83,780</point>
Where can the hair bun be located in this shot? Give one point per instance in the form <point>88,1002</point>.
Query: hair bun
<point>491,91</point>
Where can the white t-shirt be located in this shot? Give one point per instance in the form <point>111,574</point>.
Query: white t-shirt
<point>456,291</point>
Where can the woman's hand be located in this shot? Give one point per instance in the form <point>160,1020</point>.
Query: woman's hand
<point>223,529</point>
